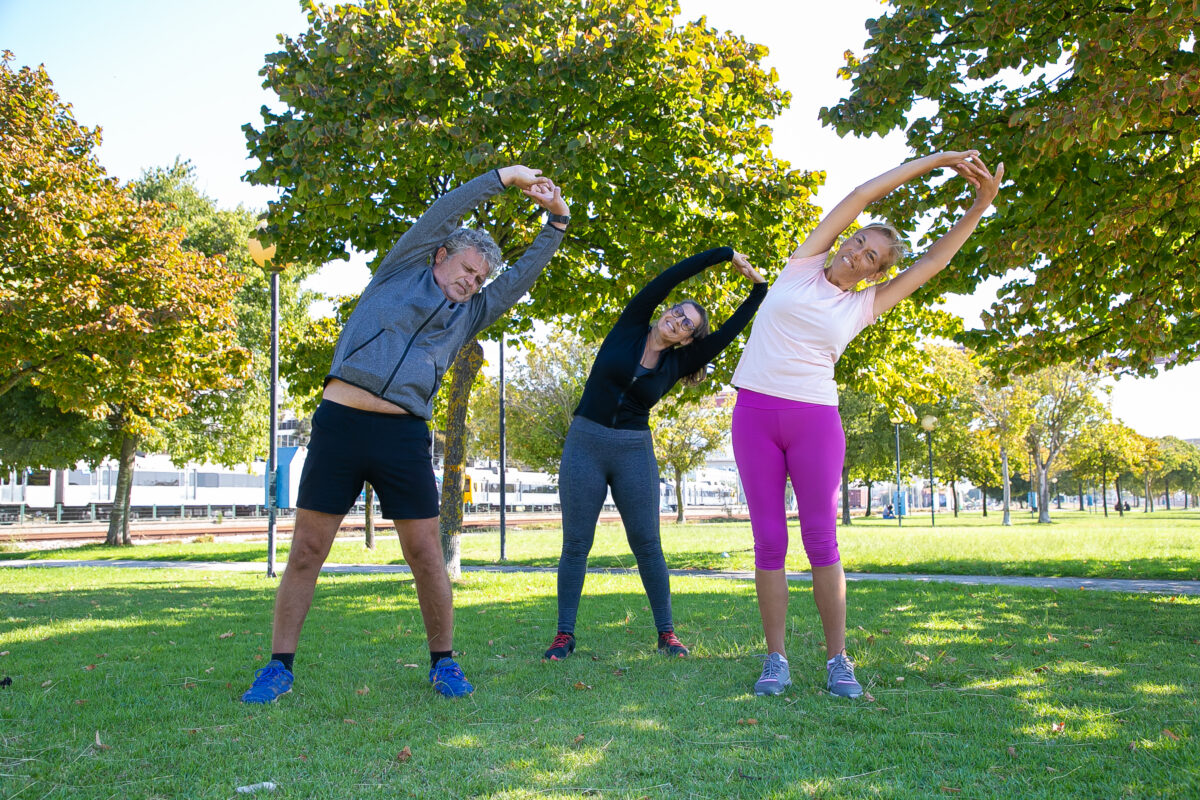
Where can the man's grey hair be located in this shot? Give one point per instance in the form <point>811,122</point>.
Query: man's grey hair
<point>480,241</point>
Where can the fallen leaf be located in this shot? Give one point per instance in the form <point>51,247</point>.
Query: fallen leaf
<point>225,635</point>
<point>99,744</point>
<point>618,672</point>
<point>747,721</point>
<point>580,685</point>
<point>1051,769</point>
<point>1050,637</point>
<point>870,640</point>
<point>1171,734</point>
<point>363,690</point>
<point>193,730</point>
<point>90,667</point>
<point>1085,644</point>
<point>404,755</point>
<point>413,666</point>
<point>578,739</point>
<point>922,656</point>
<point>870,698</point>
<point>490,643</point>
<point>349,722</point>
<point>885,631</point>
<point>950,790</point>
<point>1012,751</point>
<point>1058,727</point>
<point>80,702</point>
<point>47,684</point>
<point>210,669</point>
<point>899,679</point>
<point>1133,745</point>
<point>3,652</point>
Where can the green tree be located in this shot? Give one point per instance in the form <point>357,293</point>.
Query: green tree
<point>1063,404</point>
<point>1006,411</point>
<point>1093,107</point>
<point>227,426</point>
<point>685,433</point>
<point>657,133</point>
<point>542,396</point>
<point>104,309</point>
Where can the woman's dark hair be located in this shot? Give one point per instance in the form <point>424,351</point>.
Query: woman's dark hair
<point>698,333</point>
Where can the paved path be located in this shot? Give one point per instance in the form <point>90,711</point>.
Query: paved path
<point>1101,584</point>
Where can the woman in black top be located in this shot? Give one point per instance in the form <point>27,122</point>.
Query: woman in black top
<point>609,443</point>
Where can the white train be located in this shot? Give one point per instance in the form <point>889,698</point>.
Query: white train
<point>160,489</point>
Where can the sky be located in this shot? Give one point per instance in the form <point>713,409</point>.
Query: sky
<point>167,79</point>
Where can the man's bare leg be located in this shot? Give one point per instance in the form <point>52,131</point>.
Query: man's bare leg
<point>311,540</point>
<point>421,544</point>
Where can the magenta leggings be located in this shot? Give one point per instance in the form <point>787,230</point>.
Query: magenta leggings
<point>773,439</point>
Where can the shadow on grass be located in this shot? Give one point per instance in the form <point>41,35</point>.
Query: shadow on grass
<point>152,664</point>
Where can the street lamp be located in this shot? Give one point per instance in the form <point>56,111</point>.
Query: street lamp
<point>262,256</point>
<point>503,454</point>
<point>896,496</point>
<point>929,422</point>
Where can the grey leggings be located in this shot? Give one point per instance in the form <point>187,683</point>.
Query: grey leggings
<point>595,458</point>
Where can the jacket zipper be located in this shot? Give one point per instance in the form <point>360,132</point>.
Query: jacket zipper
<point>408,347</point>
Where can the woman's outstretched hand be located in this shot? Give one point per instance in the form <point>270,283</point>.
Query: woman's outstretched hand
<point>743,265</point>
<point>976,173</point>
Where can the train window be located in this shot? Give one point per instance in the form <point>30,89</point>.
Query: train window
<point>37,477</point>
<point>79,477</point>
<point>155,478</point>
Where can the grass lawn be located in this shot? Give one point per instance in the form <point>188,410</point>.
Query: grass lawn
<point>1159,545</point>
<point>124,684</point>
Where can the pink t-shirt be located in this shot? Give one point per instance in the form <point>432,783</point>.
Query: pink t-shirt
<point>801,330</point>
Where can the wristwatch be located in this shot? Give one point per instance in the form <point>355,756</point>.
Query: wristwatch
<point>563,218</point>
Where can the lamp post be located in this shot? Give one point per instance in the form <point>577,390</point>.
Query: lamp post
<point>503,450</point>
<point>262,256</point>
<point>929,422</point>
<point>896,496</point>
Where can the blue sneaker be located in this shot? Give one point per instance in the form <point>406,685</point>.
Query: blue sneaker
<point>841,677</point>
<point>776,676</point>
<point>270,682</point>
<point>447,677</point>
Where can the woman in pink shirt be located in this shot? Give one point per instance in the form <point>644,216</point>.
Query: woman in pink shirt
<point>786,420</point>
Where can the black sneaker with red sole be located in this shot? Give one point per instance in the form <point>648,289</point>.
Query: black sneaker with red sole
<point>669,644</point>
<point>562,646</point>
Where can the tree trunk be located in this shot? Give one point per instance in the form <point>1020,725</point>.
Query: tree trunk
<point>1006,486</point>
<point>679,515</point>
<point>983,495</point>
<point>465,368</point>
<point>1167,489</point>
<point>954,494</point>
<point>1081,508</point>
<point>118,521</point>
<point>845,495</point>
<point>1149,500</point>
<point>869,484</point>
<point>1120,508</point>
<point>369,515</point>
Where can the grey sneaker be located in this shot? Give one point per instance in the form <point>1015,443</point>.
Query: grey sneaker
<point>841,677</point>
<point>775,678</point>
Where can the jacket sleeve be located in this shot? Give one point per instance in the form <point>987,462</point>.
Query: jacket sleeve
<point>644,302</point>
<point>697,354</point>
<point>511,285</point>
<point>438,222</point>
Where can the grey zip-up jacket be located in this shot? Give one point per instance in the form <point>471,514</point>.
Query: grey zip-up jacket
<point>404,332</point>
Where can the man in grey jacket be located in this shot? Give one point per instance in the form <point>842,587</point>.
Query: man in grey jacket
<point>425,301</point>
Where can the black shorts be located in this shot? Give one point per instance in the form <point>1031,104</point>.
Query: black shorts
<point>350,446</point>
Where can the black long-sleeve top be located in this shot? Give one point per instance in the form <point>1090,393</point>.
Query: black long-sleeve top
<point>615,395</point>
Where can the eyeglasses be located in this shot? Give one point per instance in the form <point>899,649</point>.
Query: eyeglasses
<point>685,322</point>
